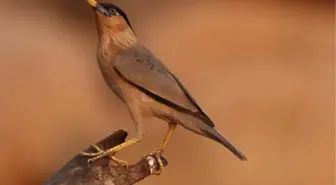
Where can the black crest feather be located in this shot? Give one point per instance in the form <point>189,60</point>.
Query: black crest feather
<point>121,12</point>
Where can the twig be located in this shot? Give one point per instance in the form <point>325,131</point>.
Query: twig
<point>101,172</point>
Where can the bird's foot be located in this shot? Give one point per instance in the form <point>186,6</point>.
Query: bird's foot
<point>93,154</point>
<point>104,153</point>
<point>157,155</point>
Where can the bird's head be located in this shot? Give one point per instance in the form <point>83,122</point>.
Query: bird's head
<point>110,17</point>
<point>113,25</point>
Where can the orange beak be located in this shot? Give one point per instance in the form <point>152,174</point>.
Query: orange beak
<point>98,7</point>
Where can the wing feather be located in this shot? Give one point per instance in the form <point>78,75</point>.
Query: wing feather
<point>139,67</point>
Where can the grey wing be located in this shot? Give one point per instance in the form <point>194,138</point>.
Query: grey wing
<point>139,67</point>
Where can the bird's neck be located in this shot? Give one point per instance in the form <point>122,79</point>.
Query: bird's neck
<point>111,44</point>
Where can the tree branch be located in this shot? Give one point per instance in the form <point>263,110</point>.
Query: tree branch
<point>78,172</point>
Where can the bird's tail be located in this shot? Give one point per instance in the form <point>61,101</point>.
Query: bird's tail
<point>199,127</point>
<point>213,134</point>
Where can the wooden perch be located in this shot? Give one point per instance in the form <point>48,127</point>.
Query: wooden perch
<point>104,171</point>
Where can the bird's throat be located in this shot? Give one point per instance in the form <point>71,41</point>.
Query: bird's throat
<point>112,43</point>
<point>125,39</point>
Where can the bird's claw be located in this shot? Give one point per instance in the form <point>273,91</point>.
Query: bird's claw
<point>93,154</point>
<point>101,154</point>
<point>157,155</point>
<point>119,162</point>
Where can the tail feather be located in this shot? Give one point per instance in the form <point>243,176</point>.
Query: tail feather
<point>198,126</point>
<point>216,136</point>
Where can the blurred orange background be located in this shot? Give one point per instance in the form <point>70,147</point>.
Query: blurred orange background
<point>262,70</point>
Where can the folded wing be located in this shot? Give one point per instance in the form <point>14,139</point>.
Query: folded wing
<point>140,68</point>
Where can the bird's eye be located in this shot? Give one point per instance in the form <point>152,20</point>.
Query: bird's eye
<point>113,11</point>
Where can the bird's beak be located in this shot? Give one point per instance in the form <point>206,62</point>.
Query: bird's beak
<point>97,6</point>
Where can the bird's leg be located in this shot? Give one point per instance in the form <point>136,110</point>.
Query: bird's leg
<point>115,149</point>
<point>99,151</point>
<point>164,144</point>
<point>110,152</point>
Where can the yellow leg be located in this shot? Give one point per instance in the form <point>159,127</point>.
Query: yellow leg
<point>170,132</point>
<point>100,154</point>
<point>164,144</point>
<point>99,151</point>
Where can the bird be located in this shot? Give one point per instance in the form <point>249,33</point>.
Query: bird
<point>147,87</point>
